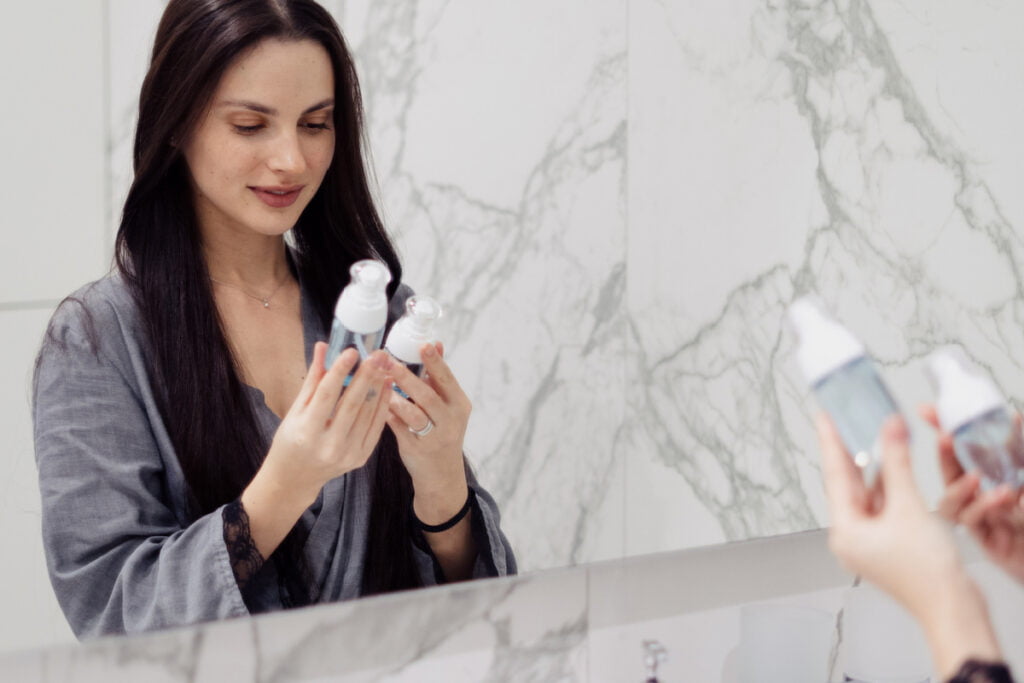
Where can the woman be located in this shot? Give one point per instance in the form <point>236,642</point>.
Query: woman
<point>195,460</point>
<point>891,539</point>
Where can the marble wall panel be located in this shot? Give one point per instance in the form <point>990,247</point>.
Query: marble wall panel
<point>498,136</point>
<point>863,151</point>
<point>619,325</point>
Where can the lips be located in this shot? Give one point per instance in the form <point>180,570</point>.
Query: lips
<point>278,197</point>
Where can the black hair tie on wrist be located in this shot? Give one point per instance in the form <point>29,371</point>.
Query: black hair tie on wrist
<point>445,526</point>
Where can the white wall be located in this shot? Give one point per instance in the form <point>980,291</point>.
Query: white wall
<point>53,189</point>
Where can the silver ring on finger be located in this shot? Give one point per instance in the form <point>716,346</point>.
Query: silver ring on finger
<point>427,428</point>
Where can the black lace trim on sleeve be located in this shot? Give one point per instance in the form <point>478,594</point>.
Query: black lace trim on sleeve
<point>974,671</point>
<point>246,560</point>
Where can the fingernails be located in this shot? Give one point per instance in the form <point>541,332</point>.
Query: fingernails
<point>429,350</point>
<point>382,361</point>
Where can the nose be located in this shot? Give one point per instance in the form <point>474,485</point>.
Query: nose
<point>286,154</point>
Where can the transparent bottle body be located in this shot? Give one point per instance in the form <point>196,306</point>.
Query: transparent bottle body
<point>343,338</point>
<point>991,445</point>
<point>859,403</point>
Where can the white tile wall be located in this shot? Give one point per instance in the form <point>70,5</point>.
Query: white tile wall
<point>131,26</point>
<point>31,615</point>
<point>53,136</point>
<point>53,186</point>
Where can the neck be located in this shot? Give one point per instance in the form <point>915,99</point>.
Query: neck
<point>255,261</point>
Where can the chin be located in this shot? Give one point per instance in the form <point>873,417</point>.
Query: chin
<point>274,226</point>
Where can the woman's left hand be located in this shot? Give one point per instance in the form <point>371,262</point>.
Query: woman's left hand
<point>995,518</point>
<point>434,458</point>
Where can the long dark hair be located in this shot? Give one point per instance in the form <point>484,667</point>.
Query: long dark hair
<point>201,396</point>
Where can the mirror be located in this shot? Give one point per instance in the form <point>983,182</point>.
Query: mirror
<point>616,201</point>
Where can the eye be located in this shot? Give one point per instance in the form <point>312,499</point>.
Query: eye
<point>247,130</point>
<point>316,127</point>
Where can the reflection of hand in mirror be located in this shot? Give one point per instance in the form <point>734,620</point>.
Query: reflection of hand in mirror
<point>430,427</point>
<point>894,542</point>
<point>996,517</point>
<point>320,438</point>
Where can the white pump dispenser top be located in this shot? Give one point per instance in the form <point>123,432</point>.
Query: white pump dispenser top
<point>414,329</point>
<point>964,393</point>
<point>825,345</point>
<point>363,305</point>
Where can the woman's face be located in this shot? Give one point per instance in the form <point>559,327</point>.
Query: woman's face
<point>261,150</point>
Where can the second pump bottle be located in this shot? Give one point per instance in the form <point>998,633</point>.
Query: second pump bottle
<point>850,389</point>
<point>361,315</point>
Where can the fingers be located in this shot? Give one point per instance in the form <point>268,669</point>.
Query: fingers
<point>896,466</point>
<point>991,504</point>
<point>408,413</point>
<point>325,397</point>
<point>313,375</point>
<point>377,419</point>
<point>419,391</point>
<point>401,430</point>
<point>929,414</point>
<point>363,392</point>
<point>959,494</point>
<point>844,485</point>
<point>982,517</point>
<point>950,466</point>
<point>440,375</point>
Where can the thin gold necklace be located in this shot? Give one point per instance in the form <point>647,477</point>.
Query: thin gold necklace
<point>265,300</point>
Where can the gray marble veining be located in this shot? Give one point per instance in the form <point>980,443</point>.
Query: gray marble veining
<point>616,201</point>
<point>877,210</point>
<point>512,213</point>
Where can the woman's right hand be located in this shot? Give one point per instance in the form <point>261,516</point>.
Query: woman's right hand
<point>325,434</point>
<point>893,541</point>
<point>995,518</point>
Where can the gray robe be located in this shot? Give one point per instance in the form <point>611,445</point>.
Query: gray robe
<point>122,554</point>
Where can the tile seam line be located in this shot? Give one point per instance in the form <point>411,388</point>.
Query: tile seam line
<point>108,136</point>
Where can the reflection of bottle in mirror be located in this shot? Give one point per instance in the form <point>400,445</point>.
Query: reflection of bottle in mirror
<point>413,330</point>
<point>361,312</point>
<point>970,407</point>
<point>845,382</point>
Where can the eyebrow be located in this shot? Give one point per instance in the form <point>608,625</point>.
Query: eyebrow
<point>262,109</point>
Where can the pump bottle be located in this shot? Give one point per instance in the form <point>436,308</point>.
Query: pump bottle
<point>846,383</point>
<point>413,330</point>
<point>361,312</point>
<point>970,407</point>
